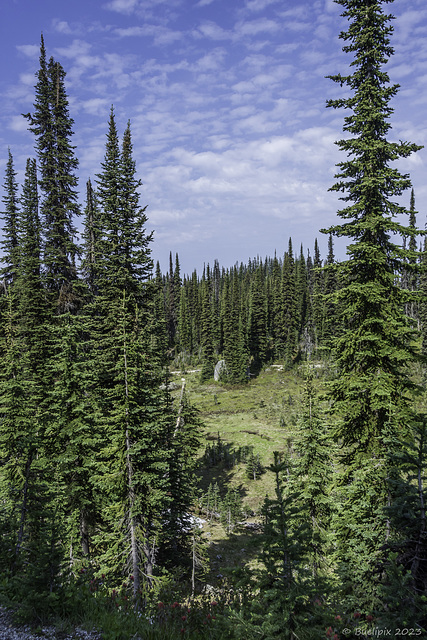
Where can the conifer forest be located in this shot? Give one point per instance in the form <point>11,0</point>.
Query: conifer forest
<point>233,454</point>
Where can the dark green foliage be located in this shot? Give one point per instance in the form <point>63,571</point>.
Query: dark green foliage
<point>52,127</point>
<point>405,588</point>
<point>90,239</point>
<point>206,335</point>
<point>422,304</point>
<point>312,479</point>
<point>375,346</point>
<point>329,327</point>
<point>235,355</point>
<point>257,325</point>
<point>10,217</point>
<point>289,309</point>
<point>280,581</point>
<point>254,468</point>
<point>184,322</point>
<point>183,446</point>
<point>98,459</point>
<point>372,392</point>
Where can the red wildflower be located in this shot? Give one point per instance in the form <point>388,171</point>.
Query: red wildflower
<point>160,605</point>
<point>183,618</point>
<point>329,632</point>
<point>369,618</point>
<point>356,615</point>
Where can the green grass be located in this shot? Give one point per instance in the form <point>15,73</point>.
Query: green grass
<point>261,415</point>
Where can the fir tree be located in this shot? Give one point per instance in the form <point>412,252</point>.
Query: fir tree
<point>257,327</point>
<point>317,284</point>
<point>371,393</point>
<point>375,346</point>
<point>422,303</point>
<point>289,310</point>
<point>133,411</point>
<point>90,239</point>
<point>235,355</point>
<point>52,127</point>
<point>10,217</point>
<point>330,313</point>
<point>312,478</point>
<point>208,356</point>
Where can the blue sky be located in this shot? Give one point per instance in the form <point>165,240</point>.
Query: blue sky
<point>226,99</point>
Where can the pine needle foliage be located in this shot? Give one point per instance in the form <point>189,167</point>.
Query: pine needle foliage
<point>376,344</point>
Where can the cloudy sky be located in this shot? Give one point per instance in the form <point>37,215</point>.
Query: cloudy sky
<point>226,99</point>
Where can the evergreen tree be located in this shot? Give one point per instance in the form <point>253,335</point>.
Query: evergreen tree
<point>371,392</point>
<point>52,126</point>
<point>235,355</point>
<point>134,413</point>
<point>422,303</point>
<point>10,217</point>
<point>375,346</point>
<point>90,239</point>
<point>175,537</point>
<point>289,310</point>
<point>312,479</point>
<point>184,321</point>
<point>317,286</point>
<point>159,336</point>
<point>25,438</point>
<point>206,340</point>
<point>411,307</point>
<point>257,327</point>
<point>405,587</point>
<point>330,312</point>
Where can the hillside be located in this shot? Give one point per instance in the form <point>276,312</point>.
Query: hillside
<point>253,419</point>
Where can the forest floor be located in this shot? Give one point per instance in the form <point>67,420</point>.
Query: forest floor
<point>260,417</point>
<point>10,631</point>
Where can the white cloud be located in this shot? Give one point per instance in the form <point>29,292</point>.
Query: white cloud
<point>78,49</point>
<point>254,27</point>
<point>18,123</point>
<point>122,6</point>
<point>130,32</point>
<point>27,78</point>
<point>96,106</point>
<point>30,50</point>
<point>213,31</point>
<point>61,26</point>
<point>259,5</point>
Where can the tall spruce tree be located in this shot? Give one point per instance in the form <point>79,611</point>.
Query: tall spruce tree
<point>134,413</point>
<point>289,308</point>
<point>235,356</point>
<point>52,126</point>
<point>371,394</point>
<point>257,325</point>
<point>375,347</point>
<point>10,219</point>
<point>206,338</point>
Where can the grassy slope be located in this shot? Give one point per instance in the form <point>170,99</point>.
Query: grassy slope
<point>261,414</point>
